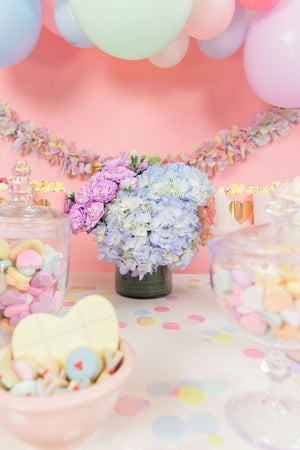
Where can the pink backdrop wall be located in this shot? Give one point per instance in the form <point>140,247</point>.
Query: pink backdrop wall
<point>110,105</point>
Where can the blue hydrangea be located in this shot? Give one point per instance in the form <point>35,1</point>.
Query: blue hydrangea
<point>157,223</point>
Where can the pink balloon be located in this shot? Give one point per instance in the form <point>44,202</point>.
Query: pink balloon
<point>209,18</point>
<point>271,54</point>
<point>172,54</point>
<point>258,4</point>
<point>48,17</point>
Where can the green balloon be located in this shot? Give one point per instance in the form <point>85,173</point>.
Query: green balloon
<point>131,29</point>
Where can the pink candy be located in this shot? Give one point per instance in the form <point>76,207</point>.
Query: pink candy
<point>254,323</point>
<point>13,310</point>
<point>29,259</point>
<point>11,297</point>
<point>44,304</point>
<point>42,279</point>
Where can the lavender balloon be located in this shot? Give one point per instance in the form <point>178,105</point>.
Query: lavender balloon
<point>228,42</point>
<point>271,54</point>
<point>68,25</point>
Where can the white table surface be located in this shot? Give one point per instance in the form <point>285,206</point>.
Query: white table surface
<point>189,361</point>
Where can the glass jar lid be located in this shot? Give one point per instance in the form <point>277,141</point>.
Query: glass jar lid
<point>21,206</point>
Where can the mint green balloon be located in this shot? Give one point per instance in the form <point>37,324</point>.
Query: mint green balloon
<point>131,29</point>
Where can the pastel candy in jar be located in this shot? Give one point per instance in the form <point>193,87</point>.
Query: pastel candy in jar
<point>256,275</point>
<point>34,248</point>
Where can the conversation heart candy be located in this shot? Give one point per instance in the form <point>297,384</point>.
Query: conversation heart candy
<point>43,304</point>
<point>276,299</point>
<point>222,281</point>
<point>29,259</point>
<point>242,277</point>
<point>11,297</point>
<point>42,278</point>
<point>254,323</point>
<point>252,297</point>
<point>91,322</point>
<point>4,249</point>
<point>52,262</point>
<point>291,317</point>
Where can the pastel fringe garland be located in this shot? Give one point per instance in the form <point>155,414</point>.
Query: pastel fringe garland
<point>212,157</point>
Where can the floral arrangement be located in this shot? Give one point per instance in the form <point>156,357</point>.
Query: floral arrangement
<point>143,215</point>
<point>212,157</point>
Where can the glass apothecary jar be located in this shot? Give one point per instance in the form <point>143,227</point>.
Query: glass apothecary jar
<point>255,276</point>
<point>34,253</point>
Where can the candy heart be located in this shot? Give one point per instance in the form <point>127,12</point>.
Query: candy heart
<point>52,262</point>
<point>291,317</point>
<point>222,281</point>
<point>242,277</point>
<point>277,299</point>
<point>3,285</point>
<point>29,259</point>
<point>273,319</point>
<point>254,323</point>
<point>43,304</point>
<point>14,320</point>
<point>42,278</point>
<point>91,322</point>
<point>252,297</point>
<point>11,297</point>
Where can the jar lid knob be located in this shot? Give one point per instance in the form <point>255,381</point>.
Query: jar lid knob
<point>20,189</point>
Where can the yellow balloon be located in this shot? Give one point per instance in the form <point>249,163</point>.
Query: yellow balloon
<point>131,29</point>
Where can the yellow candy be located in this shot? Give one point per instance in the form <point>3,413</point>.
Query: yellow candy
<point>18,276</point>
<point>4,249</point>
<point>33,244</point>
<point>293,288</point>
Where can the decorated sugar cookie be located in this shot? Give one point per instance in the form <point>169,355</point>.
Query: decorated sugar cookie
<point>91,322</point>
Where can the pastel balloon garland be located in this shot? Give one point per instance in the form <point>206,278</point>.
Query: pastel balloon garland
<point>211,157</point>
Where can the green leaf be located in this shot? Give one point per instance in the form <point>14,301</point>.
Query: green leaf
<point>154,160</point>
<point>72,196</point>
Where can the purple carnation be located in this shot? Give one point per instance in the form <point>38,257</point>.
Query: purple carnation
<point>142,166</point>
<point>94,212</point>
<point>68,203</point>
<point>117,173</point>
<point>76,217</point>
<point>104,190</point>
<point>84,195</point>
<point>128,182</point>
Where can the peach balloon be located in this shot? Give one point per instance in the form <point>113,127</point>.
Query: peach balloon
<point>209,18</point>
<point>173,54</point>
<point>48,17</point>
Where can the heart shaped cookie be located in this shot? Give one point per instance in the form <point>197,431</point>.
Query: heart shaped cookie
<point>91,322</point>
<point>240,211</point>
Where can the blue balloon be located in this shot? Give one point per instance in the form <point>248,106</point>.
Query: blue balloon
<point>20,28</point>
<point>68,25</point>
<point>228,42</point>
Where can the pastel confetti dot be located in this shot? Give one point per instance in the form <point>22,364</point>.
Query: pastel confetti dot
<point>196,317</point>
<point>171,297</point>
<point>222,337</point>
<point>171,326</point>
<point>69,303</point>
<point>211,332</point>
<point>89,288</point>
<point>161,309</point>
<point>215,440</point>
<point>169,428</point>
<point>298,380</point>
<point>131,406</point>
<point>212,386</point>
<point>76,289</point>
<point>191,394</point>
<point>141,312</point>
<point>158,388</point>
<point>107,293</point>
<point>146,321</point>
<point>229,329</point>
<point>231,379</point>
<point>69,298</point>
<point>194,279</point>
<point>122,324</point>
<point>194,286</point>
<point>203,423</point>
<point>295,366</point>
<point>254,353</point>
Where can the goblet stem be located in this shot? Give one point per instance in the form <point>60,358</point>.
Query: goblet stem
<point>277,367</point>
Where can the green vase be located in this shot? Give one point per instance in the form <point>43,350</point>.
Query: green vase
<point>157,284</point>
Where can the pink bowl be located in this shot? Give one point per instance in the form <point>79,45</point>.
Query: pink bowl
<point>68,419</point>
